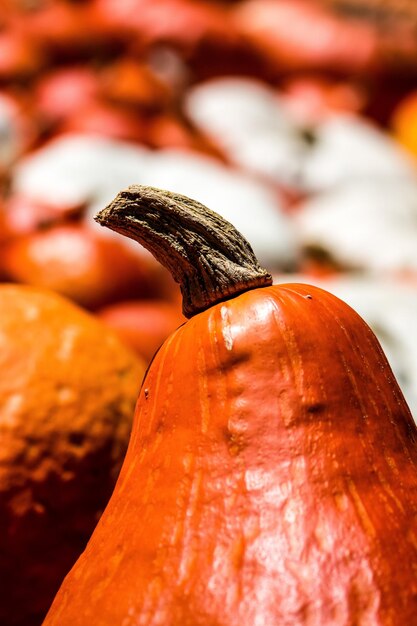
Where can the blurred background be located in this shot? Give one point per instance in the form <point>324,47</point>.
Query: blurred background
<point>295,119</point>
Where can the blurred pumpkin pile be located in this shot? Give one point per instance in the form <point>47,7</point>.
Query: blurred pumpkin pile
<point>294,119</point>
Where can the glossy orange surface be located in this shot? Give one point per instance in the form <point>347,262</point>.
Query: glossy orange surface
<point>271,478</point>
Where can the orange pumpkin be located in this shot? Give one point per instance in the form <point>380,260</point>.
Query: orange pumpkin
<point>61,92</point>
<point>67,392</point>
<point>394,24</point>
<point>271,476</point>
<point>66,30</point>
<point>131,83</point>
<point>23,215</point>
<point>316,40</point>
<point>404,121</point>
<point>20,56</point>
<point>106,120</point>
<point>142,324</point>
<point>75,261</point>
<point>167,130</point>
<point>183,24</point>
<point>353,37</point>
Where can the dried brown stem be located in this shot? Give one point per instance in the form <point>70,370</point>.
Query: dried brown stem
<point>205,254</point>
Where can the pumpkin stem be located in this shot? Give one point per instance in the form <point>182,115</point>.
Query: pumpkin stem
<point>205,254</point>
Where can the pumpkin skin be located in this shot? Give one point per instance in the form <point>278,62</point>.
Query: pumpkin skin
<point>271,478</point>
<point>142,324</point>
<point>68,388</point>
<point>73,260</point>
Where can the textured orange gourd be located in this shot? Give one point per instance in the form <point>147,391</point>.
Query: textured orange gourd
<point>271,476</point>
<point>67,393</point>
